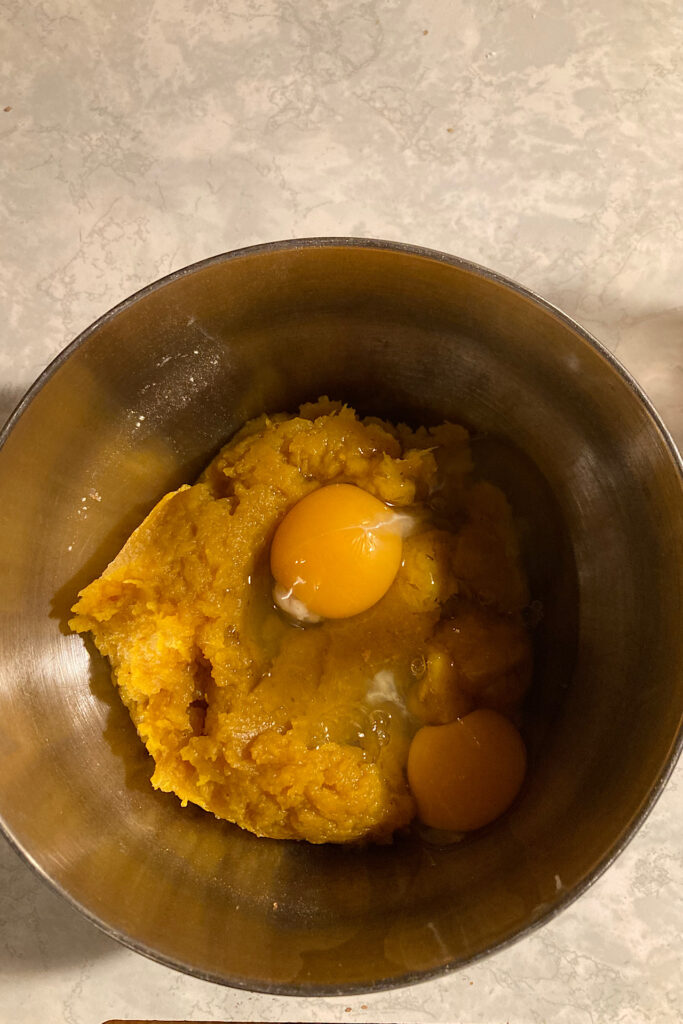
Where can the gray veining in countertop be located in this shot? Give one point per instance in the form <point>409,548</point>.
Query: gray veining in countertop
<point>542,138</point>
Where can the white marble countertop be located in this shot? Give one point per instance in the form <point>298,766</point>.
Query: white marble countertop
<point>541,138</point>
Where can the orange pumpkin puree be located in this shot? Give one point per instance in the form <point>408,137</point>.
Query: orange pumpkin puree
<point>303,733</point>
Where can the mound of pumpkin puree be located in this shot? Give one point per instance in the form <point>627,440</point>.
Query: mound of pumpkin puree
<point>303,733</point>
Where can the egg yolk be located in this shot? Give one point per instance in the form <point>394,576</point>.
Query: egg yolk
<point>465,774</point>
<point>335,553</point>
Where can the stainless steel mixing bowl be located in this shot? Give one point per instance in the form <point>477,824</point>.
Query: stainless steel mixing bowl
<point>137,404</point>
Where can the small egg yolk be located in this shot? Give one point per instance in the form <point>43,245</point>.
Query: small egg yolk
<point>466,774</point>
<point>335,553</point>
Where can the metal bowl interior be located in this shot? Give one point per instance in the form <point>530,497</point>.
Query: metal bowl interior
<point>137,405</point>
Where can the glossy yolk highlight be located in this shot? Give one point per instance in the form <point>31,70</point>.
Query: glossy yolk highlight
<point>335,553</point>
<point>465,774</point>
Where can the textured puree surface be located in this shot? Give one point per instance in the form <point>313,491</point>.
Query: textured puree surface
<point>297,732</point>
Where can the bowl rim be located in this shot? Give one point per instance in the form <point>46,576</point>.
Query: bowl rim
<point>629,831</point>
